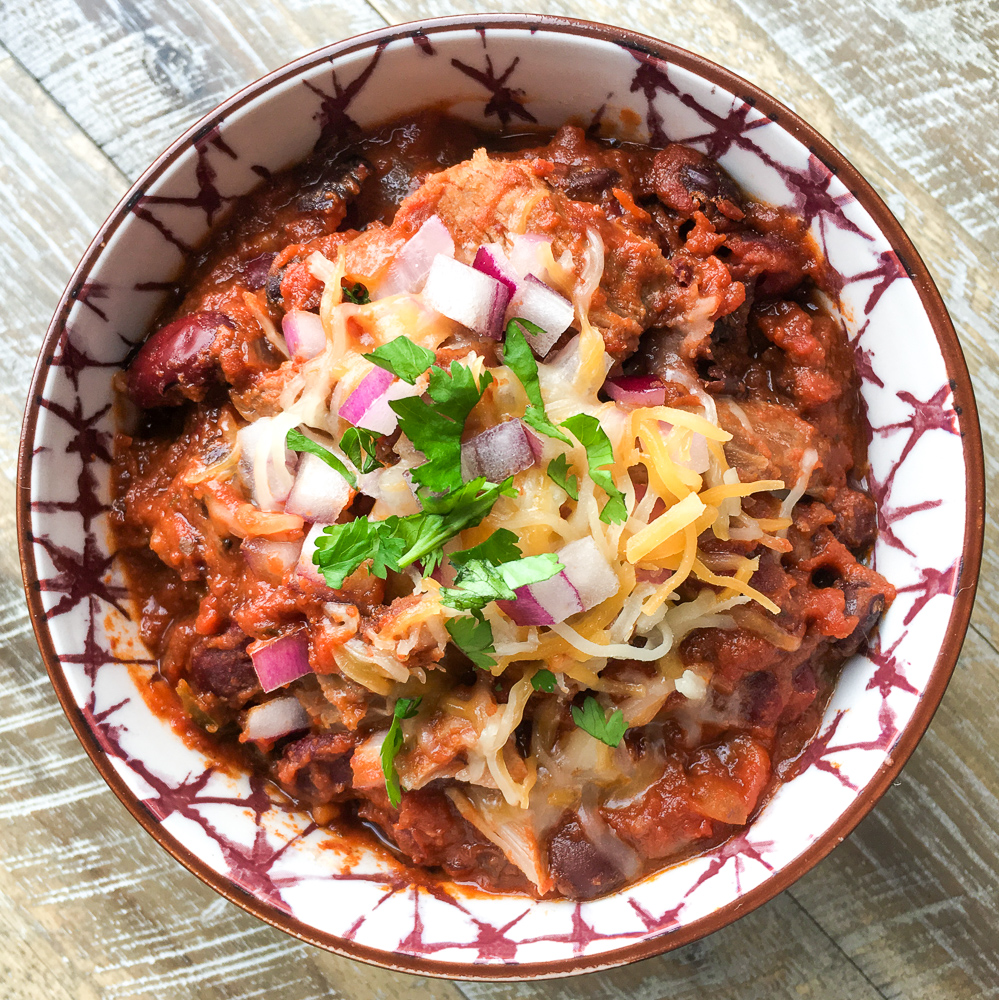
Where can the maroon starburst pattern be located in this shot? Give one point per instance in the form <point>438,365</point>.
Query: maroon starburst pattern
<point>889,676</point>
<point>73,360</point>
<point>864,360</point>
<point>931,582</point>
<point>93,655</point>
<point>336,126</point>
<point>79,576</point>
<point>721,132</point>
<point>814,201</point>
<point>818,752</point>
<point>933,414</point>
<point>421,41</point>
<point>888,269</point>
<point>208,199</point>
<point>87,293</point>
<point>740,852</point>
<point>891,514</point>
<point>506,103</point>
<point>89,442</point>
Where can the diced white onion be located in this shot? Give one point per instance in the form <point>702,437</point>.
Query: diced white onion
<point>320,493</point>
<point>467,296</point>
<point>274,719</point>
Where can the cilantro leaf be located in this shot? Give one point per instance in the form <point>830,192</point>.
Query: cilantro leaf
<point>592,719</point>
<point>558,473</point>
<point>435,428</point>
<point>586,429</point>
<point>500,547</point>
<point>446,516</point>
<point>341,548</point>
<point>356,293</point>
<point>519,358</point>
<point>405,708</point>
<point>359,446</point>
<point>544,680</point>
<point>397,542</point>
<point>474,637</point>
<point>478,582</point>
<point>402,358</point>
<point>297,441</point>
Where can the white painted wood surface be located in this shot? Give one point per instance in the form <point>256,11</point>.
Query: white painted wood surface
<point>90,907</point>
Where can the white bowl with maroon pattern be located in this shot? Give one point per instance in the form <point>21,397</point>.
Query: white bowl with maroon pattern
<point>239,834</point>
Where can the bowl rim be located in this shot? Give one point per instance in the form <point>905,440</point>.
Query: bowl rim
<point>943,667</point>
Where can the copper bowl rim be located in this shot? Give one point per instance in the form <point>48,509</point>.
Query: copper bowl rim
<point>964,402</point>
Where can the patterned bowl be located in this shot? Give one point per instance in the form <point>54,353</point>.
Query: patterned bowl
<point>237,833</point>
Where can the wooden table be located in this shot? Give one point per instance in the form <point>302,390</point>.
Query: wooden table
<point>90,907</point>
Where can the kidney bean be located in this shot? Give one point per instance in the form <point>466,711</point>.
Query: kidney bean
<point>255,272</point>
<point>175,358</point>
<point>580,869</point>
<point>225,670</point>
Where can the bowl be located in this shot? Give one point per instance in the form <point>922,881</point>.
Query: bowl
<point>239,835</point>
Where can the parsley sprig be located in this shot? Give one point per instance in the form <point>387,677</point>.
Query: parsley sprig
<point>402,358</point>
<point>480,581</point>
<point>397,542</point>
<point>435,427</point>
<point>519,358</point>
<point>297,441</point>
<point>592,719</point>
<point>544,680</point>
<point>405,708</point>
<point>473,635</point>
<point>586,429</point>
<point>356,292</point>
<point>359,446</point>
<point>558,473</point>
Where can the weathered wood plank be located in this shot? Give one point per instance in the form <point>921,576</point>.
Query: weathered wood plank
<point>774,953</point>
<point>910,898</point>
<point>135,74</point>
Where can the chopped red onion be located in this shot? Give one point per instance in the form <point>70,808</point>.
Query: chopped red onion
<point>319,494</point>
<point>491,260</point>
<point>368,405</point>
<point>380,416</point>
<point>270,485</point>
<point>586,581</point>
<point>373,385</point>
<point>274,719</point>
<point>268,558</point>
<point>636,390</point>
<point>467,296</point>
<point>303,333</point>
<point>408,272</point>
<point>536,444</point>
<point>545,308</point>
<point>589,572</point>
<point>280,661</point>
<point>498,452</point>
<point>545,603</point>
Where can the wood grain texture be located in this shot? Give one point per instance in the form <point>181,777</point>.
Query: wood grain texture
<point>90,907</point>
<point>133,74</point>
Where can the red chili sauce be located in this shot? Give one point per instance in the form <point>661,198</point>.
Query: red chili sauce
<point>677,232</point>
